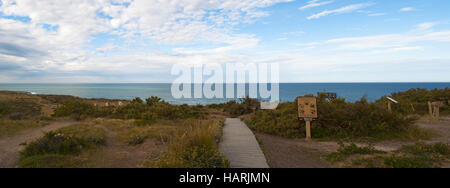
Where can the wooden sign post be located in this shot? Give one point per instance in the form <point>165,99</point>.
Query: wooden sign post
<point>390,101</point>
<point>307,111</point>
<point>433,108</point>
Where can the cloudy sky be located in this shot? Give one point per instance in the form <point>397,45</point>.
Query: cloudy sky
<point>103,41</point>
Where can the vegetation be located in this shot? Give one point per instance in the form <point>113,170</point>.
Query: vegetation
<point>154,109</point>
<point>352,149</point>
<point>234,108</point>
<point>19,109</point>
<point>190,134</point>
<point>415,101</point>
<point>75,109</point>
<point>339,119</point>
<point>10,127</point>
<point>193,147</point>
<point>420,155</point>
<point>128,132</point>
<point>55,145</point>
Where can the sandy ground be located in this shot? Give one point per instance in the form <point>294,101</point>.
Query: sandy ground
<point>120,155</point>
<point>10,146</point>
<point>297,153</point>
<point>288,153</point>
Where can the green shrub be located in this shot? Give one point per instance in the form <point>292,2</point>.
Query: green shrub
<point>52,143</point>
<point>338,119</point>
<point>66,141</point>
<point>395,161</point>
<point>419,155</point>
<point>19,109</point>
<point>157,109</point>
<point>244,106</point>
<point>438,150</point>
<point>136,140</point>
<point>152,100</point>
<point>346,151</point>
<point>415,101</point>
<point>75,109</point>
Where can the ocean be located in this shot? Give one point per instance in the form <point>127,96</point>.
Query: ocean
<point>288,91</point>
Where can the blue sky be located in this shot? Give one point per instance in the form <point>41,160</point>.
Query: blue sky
<point>140,40</point>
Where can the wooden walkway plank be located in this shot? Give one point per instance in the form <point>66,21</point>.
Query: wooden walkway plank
<point>240,147</point>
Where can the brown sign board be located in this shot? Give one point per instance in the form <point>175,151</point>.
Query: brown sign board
<point>438,104</point>
<point>307,107</point>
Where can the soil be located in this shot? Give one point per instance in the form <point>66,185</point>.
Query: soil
<point>11,146</point>
<point>293,153</point>
<point>298,153</point>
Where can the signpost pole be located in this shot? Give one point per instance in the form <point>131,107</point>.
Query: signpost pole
<point>436,112</point>
<point>430,109</point>
<point>308,130</point>
<point>390,106</point>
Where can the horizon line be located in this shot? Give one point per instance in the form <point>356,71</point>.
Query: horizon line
<point>232,83</point>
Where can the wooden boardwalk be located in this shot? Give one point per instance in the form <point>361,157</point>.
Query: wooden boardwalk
<point>240,147</point>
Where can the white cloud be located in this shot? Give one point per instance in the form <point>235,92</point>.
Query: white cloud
<point>426,25</point>
<point>315,3</point>
<point>377,14</point>
<point>346,9</point>
<point>407,9</point>
<point>58,35</point>
<point>389,42</point>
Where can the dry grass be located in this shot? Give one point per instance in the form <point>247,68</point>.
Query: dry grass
<point>195,146</point>
<point>12,127</point>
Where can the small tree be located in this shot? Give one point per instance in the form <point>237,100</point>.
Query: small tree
<point>152,100</point>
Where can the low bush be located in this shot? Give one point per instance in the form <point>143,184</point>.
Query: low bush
<point>19,109</point>
<point>67,141</point>
<point>136,140</point>
<point>156,109</point>
<point>415,101</point>
<point>75,109</point>
<point>437,151</point>
<point>420,155</point>
<point>53,143</point>
<point>338,119</point>
<point>352,149</point>
<point>396,161</point>
<point>244,106</point>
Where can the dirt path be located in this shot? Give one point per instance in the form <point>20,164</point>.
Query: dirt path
<point>10,146</point>
<point>240,147</point>
<point>295,153</point>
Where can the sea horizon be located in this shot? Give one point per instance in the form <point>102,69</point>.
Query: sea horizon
<point>288,91</point>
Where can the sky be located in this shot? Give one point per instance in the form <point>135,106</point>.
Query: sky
<point>138,41</point>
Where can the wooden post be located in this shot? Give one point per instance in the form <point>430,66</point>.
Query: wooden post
<point>436,112</point>
<point>430,109</point>
<point>390,106</point>
<point>308,131</point>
